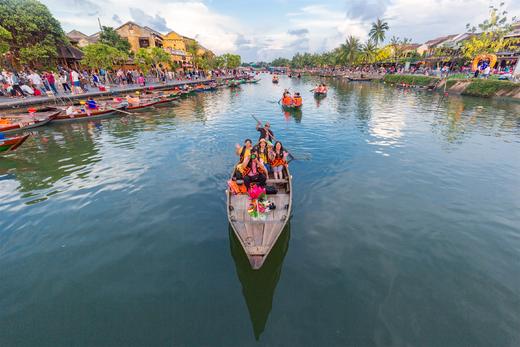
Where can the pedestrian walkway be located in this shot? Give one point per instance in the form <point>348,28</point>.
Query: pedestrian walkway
<point>7,103</point>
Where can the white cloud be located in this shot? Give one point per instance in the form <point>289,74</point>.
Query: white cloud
<point>429,19</point>
<point>322,26</point>
<point>194,19</point>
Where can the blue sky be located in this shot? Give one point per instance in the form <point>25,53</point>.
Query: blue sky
<point>264,30</point>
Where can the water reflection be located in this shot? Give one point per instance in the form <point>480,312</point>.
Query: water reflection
<point>258,286</point>
<point>54,154</point>
<point>456,118</point>
<point>294,114</point>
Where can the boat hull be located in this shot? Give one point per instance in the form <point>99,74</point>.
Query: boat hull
<point>258,237</point>
<point>62,118</point>
<point>30,121</point>
<point>11,143</point>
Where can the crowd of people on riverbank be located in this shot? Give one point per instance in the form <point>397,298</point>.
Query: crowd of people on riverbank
<point>64,81</point>
<point>483,70</point>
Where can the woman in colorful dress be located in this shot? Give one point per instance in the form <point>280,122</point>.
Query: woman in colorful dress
<point>279,160</point>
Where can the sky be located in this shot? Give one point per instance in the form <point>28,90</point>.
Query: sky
<point>262,30</point>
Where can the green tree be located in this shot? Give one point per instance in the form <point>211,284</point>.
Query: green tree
<point>348,51</point>
<point>102,56</point>
<point>281,62</point>
<point>368,52</point>
<point>378,30</point>
<point>143,60</point>
<point>35,33</point>
<point>232,60</point>
<point>110,37</point>
<point>492,34</point>
<point>219,62</point>
<point>159,57</point>
<point>5,36</point>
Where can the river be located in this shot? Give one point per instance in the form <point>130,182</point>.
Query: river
<point>405,228</point>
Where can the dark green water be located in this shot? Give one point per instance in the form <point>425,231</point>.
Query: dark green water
<point>405,231</point>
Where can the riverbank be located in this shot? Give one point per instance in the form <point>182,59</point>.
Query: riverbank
<point>6,103</point>
<point>485,88</point>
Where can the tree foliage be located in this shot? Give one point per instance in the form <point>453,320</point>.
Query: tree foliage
<point>368,52</point>
<point>34,33</point>
<point>281,62</point>
<point>5,36</point>
<point>143,60</point>
<point>102,56</point>
<point>491,38</point>
<point>378,31</point>
<point>110,37</point>
<point>232,60</point>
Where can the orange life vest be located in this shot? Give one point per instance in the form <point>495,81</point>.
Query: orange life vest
<point>297,101</point>
<point>287,100</point>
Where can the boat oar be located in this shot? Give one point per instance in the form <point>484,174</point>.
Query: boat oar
<point>274,138</point>
<point>117,110</point>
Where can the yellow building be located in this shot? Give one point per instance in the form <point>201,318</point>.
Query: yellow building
<point>140,37</point>
<point>174,44</point>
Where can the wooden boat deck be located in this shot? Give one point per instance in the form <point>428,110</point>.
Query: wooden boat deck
<point>258,236</point>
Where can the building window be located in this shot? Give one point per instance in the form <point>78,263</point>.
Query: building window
<point>144,42</point>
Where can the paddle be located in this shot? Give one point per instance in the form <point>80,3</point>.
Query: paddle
<point>115,109</point>
<point>274,138</point>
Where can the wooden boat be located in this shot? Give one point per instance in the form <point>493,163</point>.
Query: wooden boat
<point>9,144</point>
<point>258,237</point>
<point>359,79</point>
<point>79,113</point>
<point>18,122</point>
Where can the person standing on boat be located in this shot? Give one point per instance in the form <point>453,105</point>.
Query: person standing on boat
<point>265,132</point>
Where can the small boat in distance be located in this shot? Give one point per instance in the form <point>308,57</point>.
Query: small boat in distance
<point>258,237</point>
<point>9,144</point>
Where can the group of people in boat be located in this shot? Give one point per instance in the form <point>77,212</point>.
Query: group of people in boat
<point>320,89</point>
<point>259,160</point>
<point>289,100</point>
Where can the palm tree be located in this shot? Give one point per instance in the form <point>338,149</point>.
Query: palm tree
<point>368,52</point>
<point>395,42</point>
<point>349,50</point>
<point>377,33</point>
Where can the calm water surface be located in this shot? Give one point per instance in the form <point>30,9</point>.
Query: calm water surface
<point>405,231</point>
